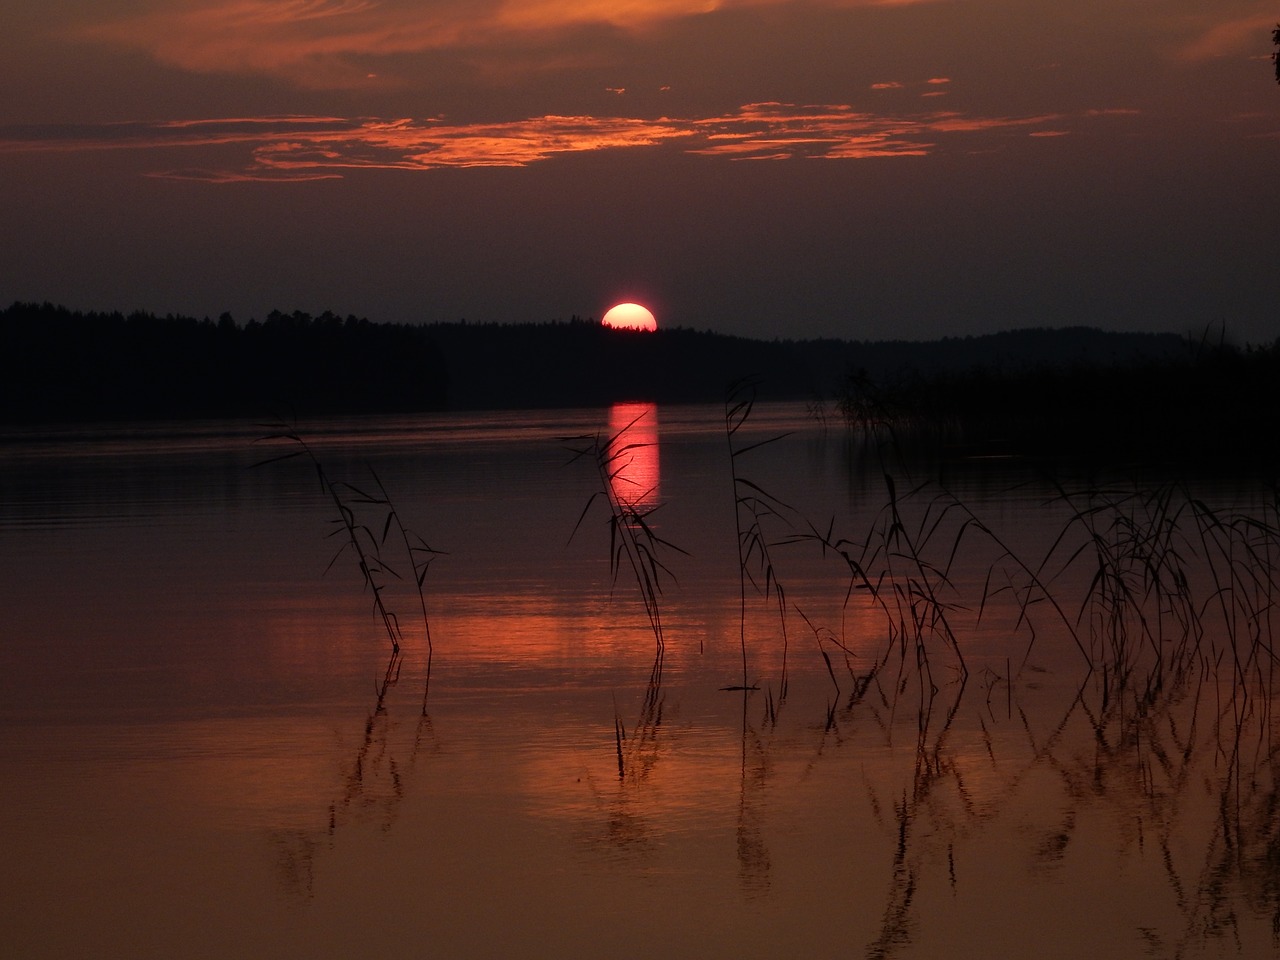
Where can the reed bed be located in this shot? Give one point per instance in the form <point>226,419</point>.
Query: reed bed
<point>1164,596</point>
<point>1167,597</point>
<point>1170,599</point>
<point>1150,583</point>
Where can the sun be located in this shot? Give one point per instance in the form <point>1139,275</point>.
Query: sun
<point>630,316</point>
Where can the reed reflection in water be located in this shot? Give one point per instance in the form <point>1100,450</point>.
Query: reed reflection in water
<point>201,763</point>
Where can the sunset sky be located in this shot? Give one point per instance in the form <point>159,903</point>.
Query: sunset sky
<point>865,169</point>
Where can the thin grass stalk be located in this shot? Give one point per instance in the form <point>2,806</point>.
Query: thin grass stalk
<point>420,555</point>
<point>355,534</point>
<point>736,413</point>
<point>758,506</point>
<point>368,549</point>
<point>631,535</point>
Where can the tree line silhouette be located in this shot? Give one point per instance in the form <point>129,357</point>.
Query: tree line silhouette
<point>58,365</point>
<point>1023,386</point>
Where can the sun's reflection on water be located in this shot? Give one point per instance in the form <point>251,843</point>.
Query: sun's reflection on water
<point>637,473</point>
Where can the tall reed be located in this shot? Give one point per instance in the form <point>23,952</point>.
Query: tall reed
<point>753,509</point>
<point>1175,584</point>
<point>351,505</point>
<point>633,540</point>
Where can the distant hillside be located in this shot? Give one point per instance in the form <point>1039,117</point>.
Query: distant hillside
<point>583,363</point>
<point>58,365</point>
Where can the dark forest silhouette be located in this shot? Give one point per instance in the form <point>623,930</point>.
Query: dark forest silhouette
<point>60,365</point>
<point>57,364</point>
<point>1079,387</point>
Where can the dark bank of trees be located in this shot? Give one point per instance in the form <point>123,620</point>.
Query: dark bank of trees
<point>1211,406</point>
<point>60,365</point>
<point>581,363</point>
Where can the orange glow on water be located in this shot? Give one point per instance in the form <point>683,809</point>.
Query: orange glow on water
<point>637,478</point>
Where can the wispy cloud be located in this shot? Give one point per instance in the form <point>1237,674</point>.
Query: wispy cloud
<point>326,43</point>
<point>72,138</point>
<point>313,42</point>
<point>290,148</point>
<point>778,130</point>
<point>1236,37</point>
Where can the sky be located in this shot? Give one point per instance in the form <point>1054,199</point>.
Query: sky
<point>862,169</point>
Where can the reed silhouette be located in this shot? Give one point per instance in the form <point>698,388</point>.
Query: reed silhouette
<point>633,541</point>
<point>753,509</point>
<point>368,545</point>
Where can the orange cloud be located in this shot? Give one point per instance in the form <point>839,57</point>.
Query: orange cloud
<point>310,41</point>
<point>319,42</point>
<point>526,15</point>
<point>959,123</point>
<point>1233,37</point>
<point>294,148</point>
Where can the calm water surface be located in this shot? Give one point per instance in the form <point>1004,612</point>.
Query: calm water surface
<point>198,757</point>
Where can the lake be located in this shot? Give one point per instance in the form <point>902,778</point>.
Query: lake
<point>906,734</point>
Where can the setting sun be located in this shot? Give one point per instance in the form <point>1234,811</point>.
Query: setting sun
<point>630,316</point>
